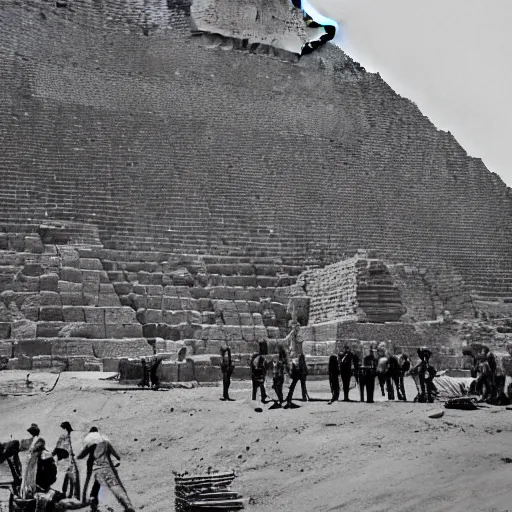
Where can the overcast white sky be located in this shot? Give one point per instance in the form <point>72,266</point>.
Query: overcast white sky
<point>451,57</point>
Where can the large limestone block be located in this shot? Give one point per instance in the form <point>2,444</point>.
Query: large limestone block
<point>94,315</point>
<point>51,314</point>
<point>213,332</point>
<point>246,319</point>
<point>65,347</point>
<point>78,330</point>
<point>222,293</point>
<point>124,331</point>
<point>90,264</point>
<point>34,244</point>
<point>122,348</point>
<point>73,298</point>
<point>73,275</point>
<point>154,301</point>
<point>73,313</point>
<point>32,347</point>
<point>23,329</point>
<point>5,330</point>
<point>120,315</point>
<point>49,282</point>
<point>6,349</point>
<point>48,298</point>
<point>171,303</point>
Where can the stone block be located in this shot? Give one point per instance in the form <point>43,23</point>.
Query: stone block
<point>255,306</point>
<point>123,288</point>
<point>24,362</point>
<point>154,301</point>
<point>257,319</point>
<point>6,349</point>
<point>153,316</point>
<point>5,330</point>
<point>48,298</point>
<point>140,301</point>
<point>71,274</point>
<point>108,300</point>
<point>73,314</point>
<point>34,244</point>
<point>41,362</point>
<point>208,317</point>
<point>194,317</point>
<point>213,332</point>
<point>90,264</point>
<point>175,317</point>
<point>171,303</point>
<point>233,333</point>
<point>213,346</point>
<point>32,347</point>
<point>154,289</point>
<point>76,364</point>
<point>111,364</point>
<point>123,331</point>
<point>68,286</point>
<point>93,366</point>
<point>63,348</point>
<point>31,314</point>
<point>247,333</point>
<point>192,331</point>
<point>122,348</point>
<point>94,315</point>
<point>32,284</point>
<point>273,332</point>
<point>207,373</point>
<point>73,299</point>
<point>198,292</point>
<point>120,315</point>
<point>13,364</point>
<point>90,299</point>
<point>260,333</point>
<point>47,329</point>
<point>150,330</point>
<point>51,314</point>
<point>165,331</point>
<point>222,293</point>
<point>169,371</point>
<point>185,372</point>
<point>23,329</point>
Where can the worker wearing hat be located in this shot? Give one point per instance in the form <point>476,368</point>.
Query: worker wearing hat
<point>64,451</point>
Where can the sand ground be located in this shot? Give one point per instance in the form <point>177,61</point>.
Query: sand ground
<point>387,456</point>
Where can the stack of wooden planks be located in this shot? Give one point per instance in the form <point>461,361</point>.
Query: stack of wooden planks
<point>197,493</point>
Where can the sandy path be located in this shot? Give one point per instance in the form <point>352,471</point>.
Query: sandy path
<point>353,457</point>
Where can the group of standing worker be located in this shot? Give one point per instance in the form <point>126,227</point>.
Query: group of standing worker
<point>34,478</point>
<point>377,364</point>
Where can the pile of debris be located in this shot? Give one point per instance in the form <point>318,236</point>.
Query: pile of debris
<point>195,493</point>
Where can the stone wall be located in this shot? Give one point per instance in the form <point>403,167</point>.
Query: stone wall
<point>112,115</point>
<point>356,288</point>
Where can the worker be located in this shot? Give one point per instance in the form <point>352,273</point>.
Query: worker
<point>227,369</point>
<point>64,451</point>
<point>349,366</point>
<point>104,473</point>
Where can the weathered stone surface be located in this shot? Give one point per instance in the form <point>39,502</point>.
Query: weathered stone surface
<point>49,282</point>
<point>48,298</point>
<point>5,330</point>
<point>73,314</point>
<point>51,314</point>
<point>72,275</point>
<point>121,315</point>
<point>23,329</point>
<point>123,331</point>
<point>77,330</point>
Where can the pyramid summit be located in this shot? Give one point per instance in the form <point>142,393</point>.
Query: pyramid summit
<point>167,137</point>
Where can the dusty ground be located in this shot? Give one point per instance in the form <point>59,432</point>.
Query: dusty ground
<point>347,456</point>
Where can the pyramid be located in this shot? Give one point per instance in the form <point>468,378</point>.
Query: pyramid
<point>177,136</point>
